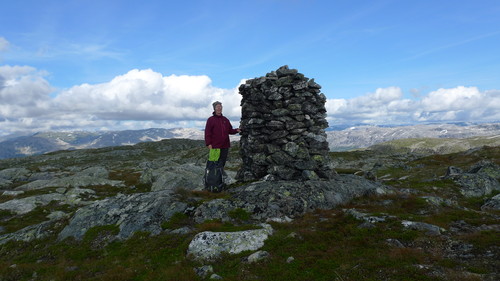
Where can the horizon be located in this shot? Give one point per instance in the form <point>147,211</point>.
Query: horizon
<point>95,66</point>
<point>337,127</point>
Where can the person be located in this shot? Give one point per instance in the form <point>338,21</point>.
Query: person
<point>217,131</point>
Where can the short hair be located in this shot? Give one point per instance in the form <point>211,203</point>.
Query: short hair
<point>216,103</point>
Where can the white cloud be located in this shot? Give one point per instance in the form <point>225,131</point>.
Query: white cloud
<point>24,93</point>
<point>135,100</point>
<point>147,95</point>
<point>145,98</point>
<point>387,106</point>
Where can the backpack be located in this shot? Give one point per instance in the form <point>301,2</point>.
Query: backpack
<point>213,178</point>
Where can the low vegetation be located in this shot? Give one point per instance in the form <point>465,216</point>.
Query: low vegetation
<point>322,245</point>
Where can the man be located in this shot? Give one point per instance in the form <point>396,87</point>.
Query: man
<point>217,131</point>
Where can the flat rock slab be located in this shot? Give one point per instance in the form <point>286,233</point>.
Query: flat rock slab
<point>209,245</point>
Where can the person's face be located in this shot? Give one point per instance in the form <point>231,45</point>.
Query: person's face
<point>218,109</point>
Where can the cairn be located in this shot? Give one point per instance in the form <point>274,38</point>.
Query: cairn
<point>283,122</point>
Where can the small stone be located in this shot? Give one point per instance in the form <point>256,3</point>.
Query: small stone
<point>216,277</point>
<point>204,271</point>
<point>290,259</point>
<point>257,256</point>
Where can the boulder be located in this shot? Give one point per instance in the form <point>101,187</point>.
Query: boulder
<point>429,229</point>
<point>278,200</point>
<point>492,203</point>
<point>479,181</point>
<point>208,245</point>
<point>136,212</point>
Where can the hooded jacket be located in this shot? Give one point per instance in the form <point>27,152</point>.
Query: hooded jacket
<point>217,131</point>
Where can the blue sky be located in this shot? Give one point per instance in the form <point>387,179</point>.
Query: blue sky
<point>135,64</point>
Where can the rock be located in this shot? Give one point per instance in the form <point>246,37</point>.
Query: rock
<point>288,199</point>
<point>257,256</point>
<point>4,183</point>
<point>430,229</point>
<point>437,201</point>
<point>95,172</point>
<point>136,212</point>
<point>70,181</point>
<point>187,176</point>
<point>12,192</point>
<point>486,167</point>
<point>478,181</point>
<point>208,245</point>
<point>290,259</point>
<point>29,233</point>
<point>28,204</point>
<point>204,271</point>
<point>492,203</point>
<point>394,242</point>
<point>367,218</point>
<point>216,277</point>
<point>57,215</point>
<point>15,174</point>
<point>453,171</point>
<point>476,185</point>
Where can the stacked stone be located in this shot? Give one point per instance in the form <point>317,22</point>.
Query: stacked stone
<point>283,122</point>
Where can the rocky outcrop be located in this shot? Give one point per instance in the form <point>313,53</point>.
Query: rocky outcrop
<point>262,200</point>
<point>283,200</point>
<point>492,203</point>
<point>480,180</point>
<point>136,212</point>
<point>283,121</point>
<point>30,233</point>
<point>208,245</point>
<point>92,176</point>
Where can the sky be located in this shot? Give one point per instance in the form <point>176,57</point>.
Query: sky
<point>117,65</point>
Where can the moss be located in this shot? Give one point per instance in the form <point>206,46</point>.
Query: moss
<point>12,222</point>
<point>239,214</point>
<point>483,240</point>
<point>177,220</point>
<point>217,225</point>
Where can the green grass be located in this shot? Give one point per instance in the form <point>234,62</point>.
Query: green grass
<point>325,244</point>
<point>13,222</point>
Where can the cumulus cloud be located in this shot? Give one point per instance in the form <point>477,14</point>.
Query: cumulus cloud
<point>147,95</point>
<point>135,100</point>
<point>383,106</point>
<point>387,106</point>
<point>142,99</point>
<point>24,93</point>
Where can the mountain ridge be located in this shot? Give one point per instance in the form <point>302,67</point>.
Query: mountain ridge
<point>353,137</point>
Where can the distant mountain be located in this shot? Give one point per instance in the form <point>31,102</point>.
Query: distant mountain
<point>365,136</point>
<point>340,138</point>
<point>40,143</point>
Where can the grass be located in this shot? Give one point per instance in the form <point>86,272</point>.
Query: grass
<point>324,244</point>
<point>328,249</point>
<point>12,222</point>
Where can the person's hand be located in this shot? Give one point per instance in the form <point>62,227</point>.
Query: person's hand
<point>238,130</point>
<point>209,146</point>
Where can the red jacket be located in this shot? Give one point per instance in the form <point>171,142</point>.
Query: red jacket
<point>217,132</point>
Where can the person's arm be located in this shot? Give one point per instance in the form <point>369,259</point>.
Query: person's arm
<point>208,134</point>
<point>231,130</point>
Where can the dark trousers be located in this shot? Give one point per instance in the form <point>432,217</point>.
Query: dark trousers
<point>223,156</point>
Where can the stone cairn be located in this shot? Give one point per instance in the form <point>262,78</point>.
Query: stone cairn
<point>283,122</point>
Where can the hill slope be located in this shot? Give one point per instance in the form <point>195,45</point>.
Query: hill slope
<point>132,212</point>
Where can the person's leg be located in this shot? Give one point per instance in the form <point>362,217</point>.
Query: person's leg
<point>223,156</point>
